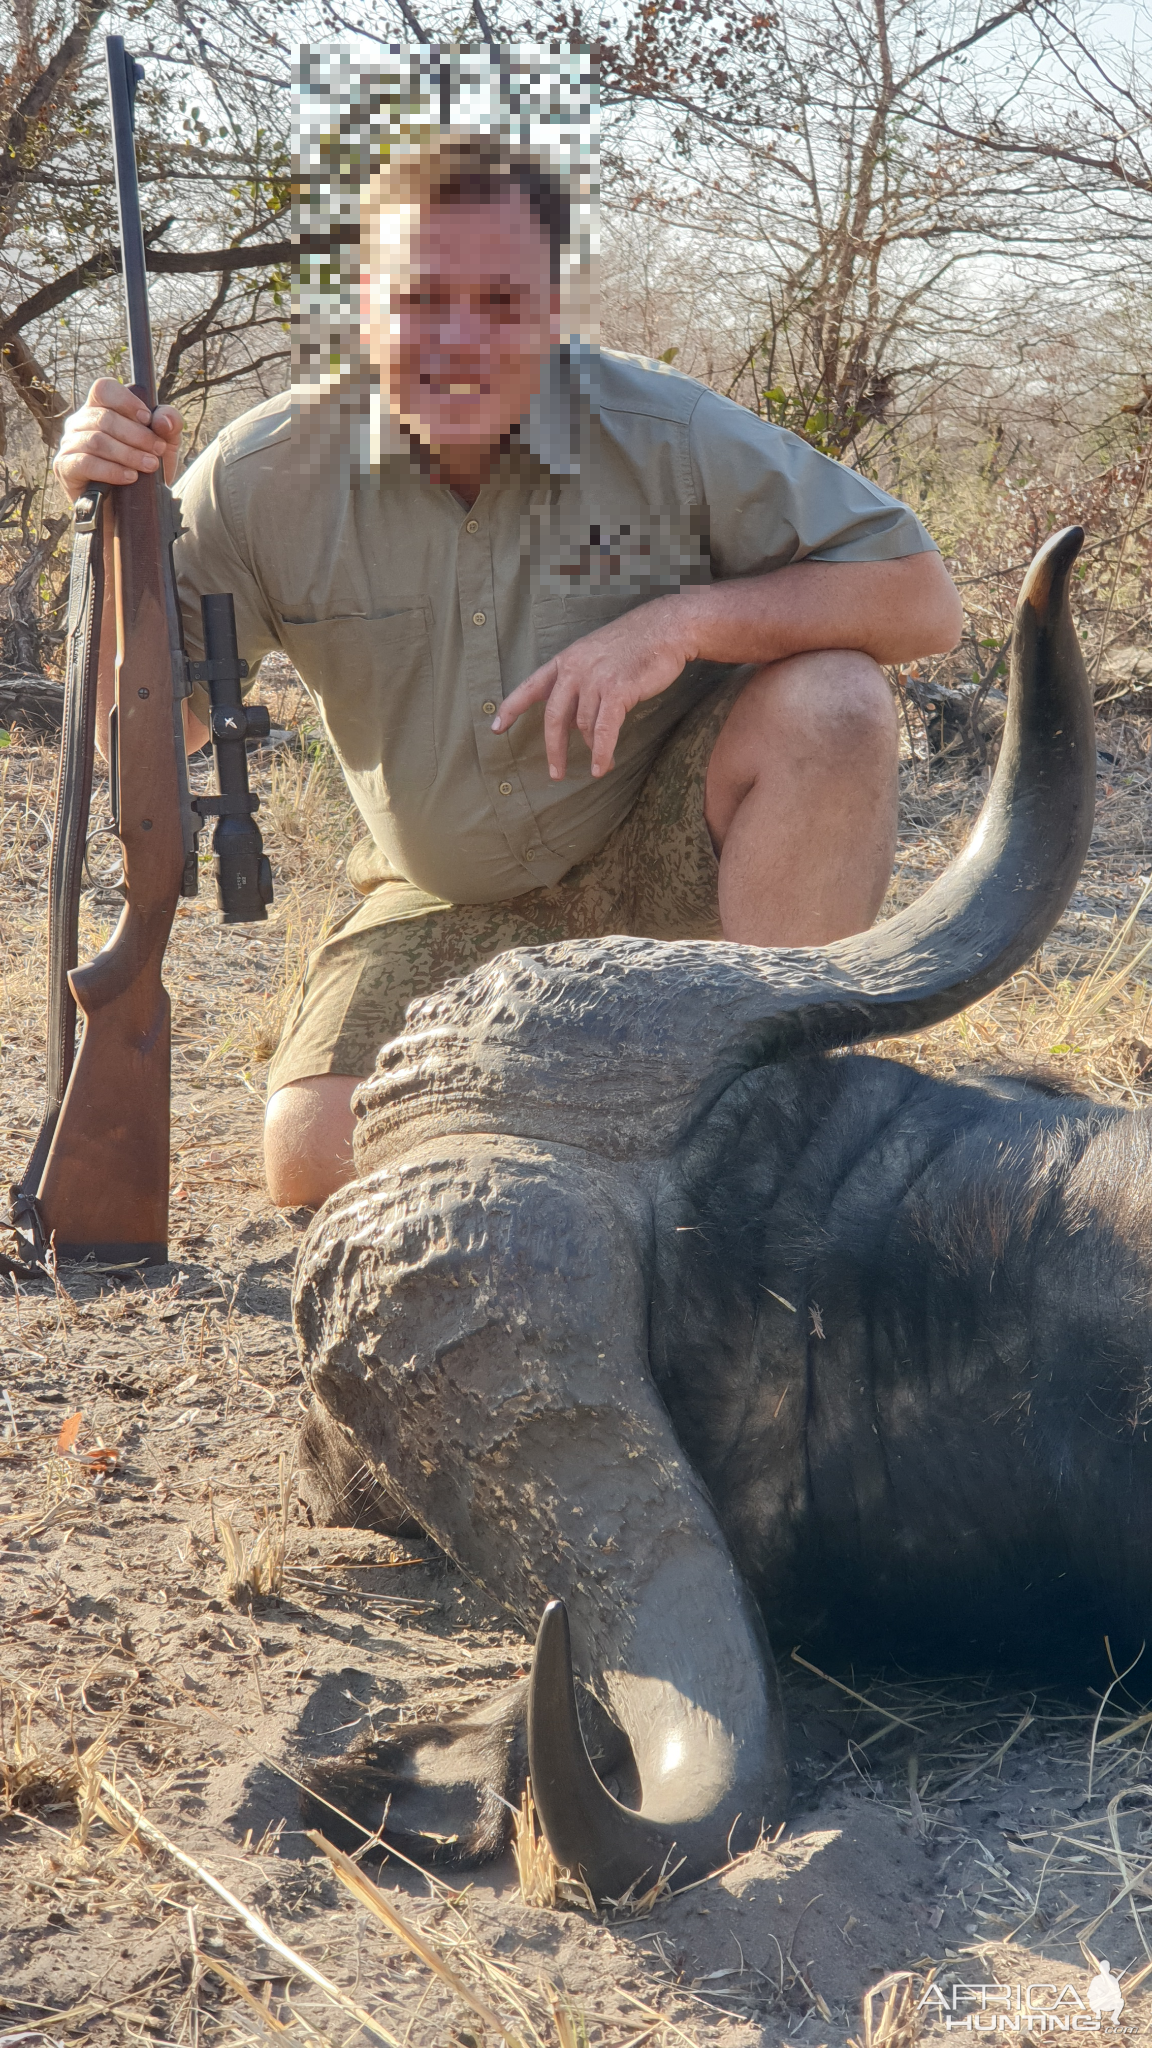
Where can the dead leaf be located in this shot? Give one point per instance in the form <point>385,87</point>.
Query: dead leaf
<point>104,1459</point>
<point>69,1431</point>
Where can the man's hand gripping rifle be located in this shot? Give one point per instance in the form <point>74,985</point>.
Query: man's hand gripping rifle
<point>96,1186</point>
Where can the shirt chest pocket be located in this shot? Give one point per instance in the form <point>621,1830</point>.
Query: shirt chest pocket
<point>373,679</point>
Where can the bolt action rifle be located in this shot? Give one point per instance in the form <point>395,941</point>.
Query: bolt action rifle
<point>96,1186</point>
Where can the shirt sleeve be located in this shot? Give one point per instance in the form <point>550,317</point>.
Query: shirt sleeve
<point>772,499</point>
<point>210,556</point>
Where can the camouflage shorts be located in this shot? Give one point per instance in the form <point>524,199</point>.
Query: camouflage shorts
<point>654,877</point>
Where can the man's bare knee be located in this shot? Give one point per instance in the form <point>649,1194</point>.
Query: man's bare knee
<point>308,1128</point>
<point>838,699</point>
<point>821,716</point>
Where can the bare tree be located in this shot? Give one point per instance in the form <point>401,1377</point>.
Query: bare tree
<point>214,176</point>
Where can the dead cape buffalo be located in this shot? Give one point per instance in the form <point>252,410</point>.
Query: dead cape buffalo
<point>650,1303</point>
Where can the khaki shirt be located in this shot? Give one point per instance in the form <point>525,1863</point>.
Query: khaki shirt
<point>409,616</point>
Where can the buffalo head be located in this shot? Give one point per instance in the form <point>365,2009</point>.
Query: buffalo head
<point>476,1311</point>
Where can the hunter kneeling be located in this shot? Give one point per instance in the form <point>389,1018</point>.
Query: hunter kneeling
<point>597,650</point>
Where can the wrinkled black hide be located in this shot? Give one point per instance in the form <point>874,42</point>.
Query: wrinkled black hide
<point>903,1327</point>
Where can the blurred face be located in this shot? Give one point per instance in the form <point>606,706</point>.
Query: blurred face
<point>459,316</point>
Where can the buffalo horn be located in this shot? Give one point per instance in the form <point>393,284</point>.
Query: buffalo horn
<point>588,1831</point>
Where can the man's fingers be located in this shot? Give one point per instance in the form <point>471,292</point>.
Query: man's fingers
<point>131,455</point>
<point>114,439</point>
<point>560,715</point>
<point>106,395</point>
<point>133,432</point>
<point>530,691</point>
<point>587,712</point>
<point>106,392</point>
<point>74,473</point>
<point>603,742</point>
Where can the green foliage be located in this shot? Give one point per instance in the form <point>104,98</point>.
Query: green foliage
<point>809,415</point>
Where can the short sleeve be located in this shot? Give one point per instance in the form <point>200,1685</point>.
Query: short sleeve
<point>772,499</point>
<point>210,556</point>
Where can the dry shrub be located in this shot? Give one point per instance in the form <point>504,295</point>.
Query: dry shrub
<point>890,2015</point>
<point>44,1772</point>
<point>36,1775</point>
<point>254,1568</point>
<point>537,1870</point>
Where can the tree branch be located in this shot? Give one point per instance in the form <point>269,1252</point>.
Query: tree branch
<point>164,262</point>
<point>47,405</point>
<point>41,95</point>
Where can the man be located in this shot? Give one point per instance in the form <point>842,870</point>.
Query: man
<point>598,651</point>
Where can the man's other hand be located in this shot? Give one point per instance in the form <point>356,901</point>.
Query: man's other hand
<point>114,438</point>
<point>594,684</point>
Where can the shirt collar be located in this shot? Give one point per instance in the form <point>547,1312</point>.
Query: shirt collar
<point>557,429</point>
<point>559,423</point>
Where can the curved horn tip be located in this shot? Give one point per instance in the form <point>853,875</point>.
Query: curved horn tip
<point>1045,581</point>
<point>587,1830</point>
<point>554,1634</point>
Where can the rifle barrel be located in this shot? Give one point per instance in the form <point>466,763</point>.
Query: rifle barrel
<point>123,73</point>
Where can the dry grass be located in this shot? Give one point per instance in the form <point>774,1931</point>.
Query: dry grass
<point>492,1994</point>
<point>254,1566</point>
<point>1091,1032</point>
<point>36,1774</point>
<point>891,2013</point>
<point>941,1742</point>
<point>537,1871</point>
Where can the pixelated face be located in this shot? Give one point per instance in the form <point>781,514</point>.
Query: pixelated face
<point>461,315</point>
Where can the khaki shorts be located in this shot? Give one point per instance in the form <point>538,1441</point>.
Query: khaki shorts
<point>655,877</point>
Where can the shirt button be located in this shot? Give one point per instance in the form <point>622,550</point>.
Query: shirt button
<point>505,789</point>
<point>478,618</point>
<point>473,526</point>
<point>488,708</point>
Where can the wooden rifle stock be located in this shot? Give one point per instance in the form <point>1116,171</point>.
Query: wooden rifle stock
<point>96,1186</point>
<point>104,1193</point>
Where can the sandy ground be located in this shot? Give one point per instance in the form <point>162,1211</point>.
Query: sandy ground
<point>972,1833</point>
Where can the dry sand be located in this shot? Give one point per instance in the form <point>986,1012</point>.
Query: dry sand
<point>974,1829</point>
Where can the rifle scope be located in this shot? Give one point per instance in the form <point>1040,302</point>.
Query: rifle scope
<point>242,868</point>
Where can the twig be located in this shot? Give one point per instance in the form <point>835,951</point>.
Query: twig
<point>361,1887</point>
<point>1136,497</point>
<point>894,1720</point>
<point>986,1763</point>
<point>1118,1677</point>
<point>1130,1883</point>
<point>1129,1728</point>
<point>252,1921</point>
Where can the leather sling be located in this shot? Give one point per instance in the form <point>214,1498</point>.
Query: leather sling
<point>66,864</point>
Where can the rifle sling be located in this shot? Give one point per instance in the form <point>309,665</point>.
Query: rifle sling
<point>69,842</point>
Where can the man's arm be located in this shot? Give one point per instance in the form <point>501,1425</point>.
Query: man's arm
<point>895,611</point>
